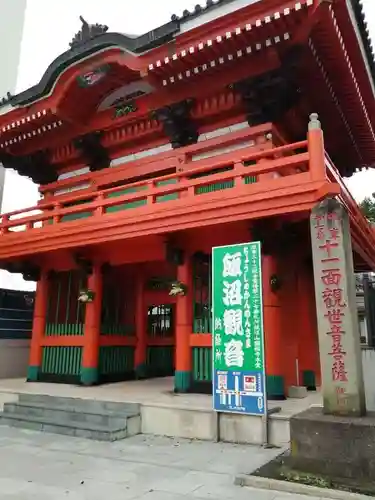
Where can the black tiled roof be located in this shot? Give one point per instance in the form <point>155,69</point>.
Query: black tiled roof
<point>357,7</point>
<point>199,9</point>
<point>78,51</point>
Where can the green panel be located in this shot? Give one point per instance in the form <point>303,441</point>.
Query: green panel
<point>251,179</point>
<point>160,361</point>
<point>309,380</point>
<point>202,364</point>
<point>61,360</point>
<point>116,360</point>
<point>76,216</point>
<point>166,197</point>
<point>217,186</point>
<point>80,215</point>
<point>112,329</point>
<point>275,387</point>
<point>129,204</point>
<point>58,329</point>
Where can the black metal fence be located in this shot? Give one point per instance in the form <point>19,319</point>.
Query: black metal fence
<point>16,314</point>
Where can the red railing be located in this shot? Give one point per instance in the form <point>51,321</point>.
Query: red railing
<point>165,160</point>
<point>280,161</point>
<point>359,223</point>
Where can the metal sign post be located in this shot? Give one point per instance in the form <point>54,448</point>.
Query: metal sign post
<point>239,378</point>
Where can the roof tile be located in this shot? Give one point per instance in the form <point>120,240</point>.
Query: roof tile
<point>198,10</point>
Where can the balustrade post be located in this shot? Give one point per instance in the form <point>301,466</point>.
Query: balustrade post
<point>90,355</point>
<point>57,217</point>
<point>4,220</point>
<point>39,326</point>
<point>190,191</point>
<point>316,151</point>
<point>266,144</point>
<point>239,170</point>
<point>100,209</point>
<point>151,197</point>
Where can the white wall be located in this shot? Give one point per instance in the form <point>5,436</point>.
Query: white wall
<point>14,358</point>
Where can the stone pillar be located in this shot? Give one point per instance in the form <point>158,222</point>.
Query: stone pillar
<point>90,355</point>
<point>184,328</point>
<point>39,327</point>
<point>140,355</point>
<point>338,328</point>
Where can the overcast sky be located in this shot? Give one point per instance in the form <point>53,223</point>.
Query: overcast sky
<point>50,26</point>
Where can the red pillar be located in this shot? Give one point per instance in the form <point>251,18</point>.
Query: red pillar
<point>140,356</point>
<point>39,327</point>
<point>272,331</point>
<point>184,327</point>
<point>289,306</point>
<point>90,355</point>
<point>308,347</point>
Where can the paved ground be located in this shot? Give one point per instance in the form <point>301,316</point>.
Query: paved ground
<point>152,392</point>
<point>45,466</point>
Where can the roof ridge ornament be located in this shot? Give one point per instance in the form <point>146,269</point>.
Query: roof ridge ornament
<point>7,99</point>
<point>87,32</point>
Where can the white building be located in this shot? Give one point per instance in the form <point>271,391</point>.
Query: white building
<point>12,21</point>
<point>13,348</point>
<point>12,18</point>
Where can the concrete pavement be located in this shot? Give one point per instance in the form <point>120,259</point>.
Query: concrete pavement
<point>46,466</point>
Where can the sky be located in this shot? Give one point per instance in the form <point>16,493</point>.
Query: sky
<point>50,26</point>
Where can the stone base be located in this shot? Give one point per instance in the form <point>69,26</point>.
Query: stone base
<point>340,447</point>
<point>140,371</point>
<point>203,424</point>
<point>182,381</point>
<point>32,373</point>
<point>89,375</point>
<point>297,392</point>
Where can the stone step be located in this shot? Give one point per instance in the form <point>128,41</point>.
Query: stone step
<point>130,426</point>
<point>67,414</point>
<point>76,404</point>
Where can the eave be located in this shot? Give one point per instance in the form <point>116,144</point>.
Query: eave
<point>195,59</point>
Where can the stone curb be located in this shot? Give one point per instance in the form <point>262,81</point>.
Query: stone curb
<point>265,483</point>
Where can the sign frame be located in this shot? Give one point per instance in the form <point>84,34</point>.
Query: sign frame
<point>259,374</point>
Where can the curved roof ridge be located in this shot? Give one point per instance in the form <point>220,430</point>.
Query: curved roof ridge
<point>93,38</point>
<point>85,48</point>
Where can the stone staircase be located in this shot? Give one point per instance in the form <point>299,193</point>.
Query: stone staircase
<point>98,420</point>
